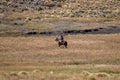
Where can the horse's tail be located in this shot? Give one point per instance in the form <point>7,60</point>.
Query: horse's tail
<point>57,39</point>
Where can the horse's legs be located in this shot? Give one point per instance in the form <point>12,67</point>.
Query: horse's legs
<point>59,44</point>
<point>65,44</point>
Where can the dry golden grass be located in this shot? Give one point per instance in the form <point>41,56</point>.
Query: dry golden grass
<point>44,49</point>
<point>94,53</point>
<point>54,75</point>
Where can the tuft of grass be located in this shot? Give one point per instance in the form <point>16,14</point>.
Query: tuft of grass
<point>85,73</point>
<point>13,74</point>
<point>4,76</point>
<point>36,71</point>
<point>101,74</point>
<point>23,75</point>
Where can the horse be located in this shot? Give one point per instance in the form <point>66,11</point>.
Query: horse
<point>61,43</point>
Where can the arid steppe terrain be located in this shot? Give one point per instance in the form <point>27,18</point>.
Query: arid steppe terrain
<point>28,29</point>
<point>40,55</point>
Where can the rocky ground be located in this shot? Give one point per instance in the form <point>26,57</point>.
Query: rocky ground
<point>64,8</point>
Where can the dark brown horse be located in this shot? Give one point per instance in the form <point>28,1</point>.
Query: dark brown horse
<point>64,43</point>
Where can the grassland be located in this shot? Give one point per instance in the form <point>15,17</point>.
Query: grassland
<point>88,56</point>
<point>19,25</point>
<point>85,52</point>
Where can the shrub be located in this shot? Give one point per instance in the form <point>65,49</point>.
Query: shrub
<point>59,0</point>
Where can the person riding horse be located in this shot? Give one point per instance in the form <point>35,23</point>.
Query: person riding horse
<point>61,41</point>
<point>61,38</point>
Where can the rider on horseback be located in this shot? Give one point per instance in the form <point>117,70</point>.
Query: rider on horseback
<point>61,38</point>
<point>61,41</point>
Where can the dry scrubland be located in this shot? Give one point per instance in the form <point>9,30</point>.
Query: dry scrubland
<point>88,57</point>
<point>64,8</point>
<point>19,17</point>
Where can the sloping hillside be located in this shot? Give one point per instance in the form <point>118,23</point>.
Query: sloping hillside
<point>24,16</point>
<point>64,8</point>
